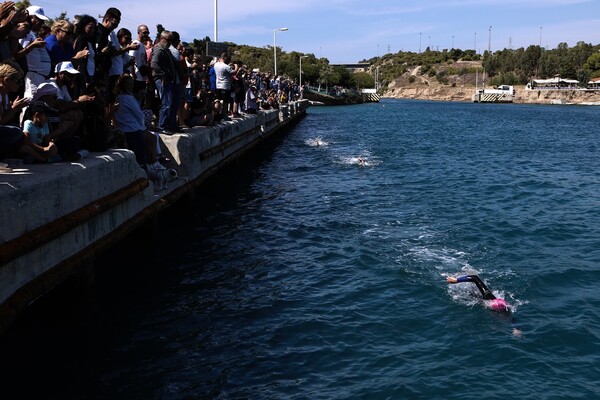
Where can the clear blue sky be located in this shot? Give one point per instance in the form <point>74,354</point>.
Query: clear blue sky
<point>347,31</point>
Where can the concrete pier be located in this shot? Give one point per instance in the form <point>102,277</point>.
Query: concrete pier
<point>54,218</point>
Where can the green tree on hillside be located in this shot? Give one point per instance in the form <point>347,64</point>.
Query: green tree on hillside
<point>362,80</point>
<point>592,64</point>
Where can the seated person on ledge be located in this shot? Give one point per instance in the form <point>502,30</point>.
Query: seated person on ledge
<point>36,132</point>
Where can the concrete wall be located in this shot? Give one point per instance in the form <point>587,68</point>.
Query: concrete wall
<point>53,218</point>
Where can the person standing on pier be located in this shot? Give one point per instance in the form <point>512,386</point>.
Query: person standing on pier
<point>165,76</point>
<point>223,72</point>
<point>140,58</point>
<point>38,59</point>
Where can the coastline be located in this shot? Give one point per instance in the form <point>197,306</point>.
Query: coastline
<point>464,93</point>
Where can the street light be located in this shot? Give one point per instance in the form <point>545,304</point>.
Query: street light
<point>301,57</point>
<point>215,36</point>
<point>275,47</point>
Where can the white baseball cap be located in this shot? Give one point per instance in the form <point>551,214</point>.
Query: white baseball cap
<point>38,12</point>
<point>46,89</point>
<point>65,66</point>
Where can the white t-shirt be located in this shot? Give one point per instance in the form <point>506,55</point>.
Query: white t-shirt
<point>139,56</point>
<point>223,74</point>
<point>116,66</point>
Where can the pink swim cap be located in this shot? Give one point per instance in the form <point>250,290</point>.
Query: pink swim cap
<point>498,305</point>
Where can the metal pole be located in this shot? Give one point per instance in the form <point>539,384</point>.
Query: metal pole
<point>275,47</point>
<point>300,76</point>
<point>216,32</point>
<point>301,57</point>
<point>275,51</point>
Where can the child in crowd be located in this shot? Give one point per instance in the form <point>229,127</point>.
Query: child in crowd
<point>200,111</point>
<point>36,132</point>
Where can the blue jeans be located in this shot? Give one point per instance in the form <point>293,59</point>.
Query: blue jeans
<point>175,106</point>
<point>166,92</point>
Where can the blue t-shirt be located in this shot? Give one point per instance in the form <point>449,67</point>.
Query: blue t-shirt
<point>36,133</point>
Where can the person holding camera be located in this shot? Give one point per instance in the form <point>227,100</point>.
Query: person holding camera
<point>224,72</point>
<point>140,59</point>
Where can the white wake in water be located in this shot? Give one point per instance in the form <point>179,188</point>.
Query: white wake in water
<point>361,161</point>
<point>316,142</point>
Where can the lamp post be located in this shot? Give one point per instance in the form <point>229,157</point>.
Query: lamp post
<point>301,57</point>
<point>275,47</point>
<point>215,36</point>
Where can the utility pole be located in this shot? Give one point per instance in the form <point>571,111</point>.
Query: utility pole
<point>216,32</point>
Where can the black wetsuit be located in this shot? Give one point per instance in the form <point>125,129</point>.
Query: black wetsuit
<point>485,292</point>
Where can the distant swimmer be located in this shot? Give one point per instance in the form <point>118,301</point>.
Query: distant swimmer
<point>362,162</point>
<point>495,303</point>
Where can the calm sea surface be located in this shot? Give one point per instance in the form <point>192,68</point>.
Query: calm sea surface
<point>308,276</point>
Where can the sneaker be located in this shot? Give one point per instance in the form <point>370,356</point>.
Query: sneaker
<point>152,169</point>
<point>157,166</point>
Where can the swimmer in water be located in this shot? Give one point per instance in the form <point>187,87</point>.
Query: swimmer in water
<point>495,303</point>
<point>362,162</point>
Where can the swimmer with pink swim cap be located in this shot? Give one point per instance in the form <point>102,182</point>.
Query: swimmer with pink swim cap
<point>491,301</point>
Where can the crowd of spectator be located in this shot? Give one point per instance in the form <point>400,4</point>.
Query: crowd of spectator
<point>67,88</point>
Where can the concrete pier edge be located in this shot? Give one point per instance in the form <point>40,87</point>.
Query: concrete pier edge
<point>55,218</point>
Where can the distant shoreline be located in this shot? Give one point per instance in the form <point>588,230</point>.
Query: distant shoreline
<point>465,94</point>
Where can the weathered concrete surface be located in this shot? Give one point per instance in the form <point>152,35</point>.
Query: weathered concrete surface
<point>53,218</point>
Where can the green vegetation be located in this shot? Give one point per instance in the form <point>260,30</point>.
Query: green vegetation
<point>314,70</point>
<point>581,62</point>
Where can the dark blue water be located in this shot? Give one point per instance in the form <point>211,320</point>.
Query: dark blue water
<point>316,277</point>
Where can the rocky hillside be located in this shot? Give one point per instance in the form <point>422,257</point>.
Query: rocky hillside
<point>461,87</point>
